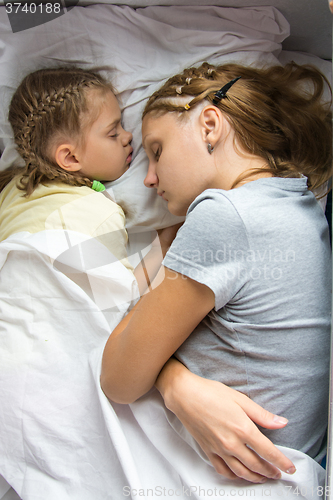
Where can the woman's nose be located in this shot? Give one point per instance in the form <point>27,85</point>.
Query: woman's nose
<point>151,179</point>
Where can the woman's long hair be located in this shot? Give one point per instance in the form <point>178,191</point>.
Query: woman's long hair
<point>49,104</point>
<point>277,113</point>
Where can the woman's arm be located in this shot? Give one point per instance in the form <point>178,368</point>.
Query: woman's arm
<point>141,344</point>
<point>221,420</point>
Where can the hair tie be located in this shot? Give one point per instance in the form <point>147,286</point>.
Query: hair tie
<point>187,107</point>
<point>222,93</point>
<point>98,186</point>
<point>179,89</point>
<point>188,80</point>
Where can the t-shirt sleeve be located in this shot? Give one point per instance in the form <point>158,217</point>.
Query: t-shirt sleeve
<point>211,247</point>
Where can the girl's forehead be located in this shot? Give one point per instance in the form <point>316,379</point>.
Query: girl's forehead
<point>98,97</point>
<point>100,101</point>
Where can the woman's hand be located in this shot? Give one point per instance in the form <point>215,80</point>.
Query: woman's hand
<point>166,236</point>
<point>147,269</point>
<point>221,421</point>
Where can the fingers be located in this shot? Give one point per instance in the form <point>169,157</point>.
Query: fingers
<point>232,468</point>
<point>257,441</point>
<point>248,454</point>
<point>270,455</point>
<point>221,467</point>
<point>245,463</point>
<point>261,416</point>
<point>233,458</point>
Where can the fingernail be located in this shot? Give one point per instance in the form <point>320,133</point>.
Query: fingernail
<point>277,476</point>
<point>263,481</point>
<point>280,420</point>
<point>291,470</point>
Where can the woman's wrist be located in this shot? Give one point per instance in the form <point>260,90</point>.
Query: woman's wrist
<point>171,383</point>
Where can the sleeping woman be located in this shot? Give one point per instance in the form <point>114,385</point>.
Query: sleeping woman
<point>243,296</point>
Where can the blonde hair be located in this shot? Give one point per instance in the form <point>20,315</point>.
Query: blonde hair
<point>277,113</point>
<point>49,104</point>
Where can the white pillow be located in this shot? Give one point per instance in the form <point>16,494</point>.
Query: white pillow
<point>141,48</point>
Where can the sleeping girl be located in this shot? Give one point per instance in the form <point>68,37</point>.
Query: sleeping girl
<point>67,128</point>
<point>245,293</point>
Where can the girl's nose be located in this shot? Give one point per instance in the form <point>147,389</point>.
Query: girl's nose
<point>151,179</point>
<point>127,138</point>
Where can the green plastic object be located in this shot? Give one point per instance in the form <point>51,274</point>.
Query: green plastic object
<point>98,186</point>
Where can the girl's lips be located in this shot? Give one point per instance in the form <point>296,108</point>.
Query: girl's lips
<point>162,195</point>
<point>129,158</point>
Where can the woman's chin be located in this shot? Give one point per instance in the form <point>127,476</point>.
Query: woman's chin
<point>174,210</point>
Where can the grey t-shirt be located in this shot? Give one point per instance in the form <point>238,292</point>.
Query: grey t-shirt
<point>264,250</point>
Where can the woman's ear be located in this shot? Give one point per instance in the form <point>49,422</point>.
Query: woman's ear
<point>212,124</point>
<point>66,159</point>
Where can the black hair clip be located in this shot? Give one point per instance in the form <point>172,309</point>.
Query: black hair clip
<point>220,94</point>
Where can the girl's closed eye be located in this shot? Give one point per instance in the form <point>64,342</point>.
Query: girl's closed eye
<point>157,154</point>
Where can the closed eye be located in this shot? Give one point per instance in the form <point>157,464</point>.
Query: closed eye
<point>157,154</point>
<point>114,132</point>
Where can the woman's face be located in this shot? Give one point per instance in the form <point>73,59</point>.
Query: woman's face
<point>177,155</point>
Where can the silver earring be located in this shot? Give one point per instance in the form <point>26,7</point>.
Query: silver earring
<point>210,148</point>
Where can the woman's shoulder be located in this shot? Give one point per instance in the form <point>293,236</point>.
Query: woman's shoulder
<point>213,215</point>
<point>211,203</point>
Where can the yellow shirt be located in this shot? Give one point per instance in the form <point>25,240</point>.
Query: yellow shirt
<point>61,206</point>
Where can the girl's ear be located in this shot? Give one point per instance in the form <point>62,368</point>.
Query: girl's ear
<point>65,158</point>
<point>212,124</point>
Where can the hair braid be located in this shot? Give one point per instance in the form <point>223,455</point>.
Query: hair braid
<point>277,113</point>
<point>49,103</point>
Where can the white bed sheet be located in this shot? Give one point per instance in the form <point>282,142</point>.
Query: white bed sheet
<point>60,438</point>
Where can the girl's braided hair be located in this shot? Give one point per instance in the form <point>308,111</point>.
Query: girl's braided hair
<point>49,104</point>
<point>277,113</point>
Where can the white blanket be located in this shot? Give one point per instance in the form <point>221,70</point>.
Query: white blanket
<point>60,438</point>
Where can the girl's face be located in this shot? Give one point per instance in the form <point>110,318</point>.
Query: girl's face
<point>106,152</point>
<point>177,160</point>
